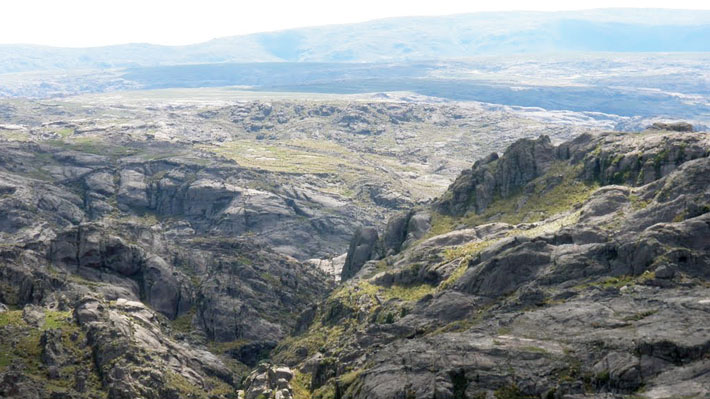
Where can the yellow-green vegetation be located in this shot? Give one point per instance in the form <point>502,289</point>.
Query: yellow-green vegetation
<point>11,318</point>
<point>183,323</point>
<point>681,216</point>
<point>147,219</point>
<point>441,224</point>
<point>346,382</point>
<point>82,281</point>
<point>470,249</point>
<point>549,226</point>
<point>620,281</point>
<point>406,293</point>
<point>510,392</point>
<point>327,391</point>
<point>455,275</point>
<point>20,342</point>
<point>301,385</point>
<point>464,252</point>
<point>222,347</point>
<point>350,294</point>
<point>65,132</point>
<point>338,317</point>
<point>535,349</point>
<point>14,135</point>
<point>637,203</point>
<point>317,337</point>
<point>93,145</point>
<point>542,203</point>
<point>297,156</point>
<point>347,166</point>
<point>214,387</point>
<point>56,319</point>
<point>641,315</point>
<point>473,248</point>
<point>349,377</point>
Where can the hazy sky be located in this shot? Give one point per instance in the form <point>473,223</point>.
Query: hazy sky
<point>80,23</point>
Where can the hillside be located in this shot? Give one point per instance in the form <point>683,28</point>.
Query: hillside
<point>571,271</point>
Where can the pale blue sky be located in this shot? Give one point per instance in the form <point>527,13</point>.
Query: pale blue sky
<point>79,23</point>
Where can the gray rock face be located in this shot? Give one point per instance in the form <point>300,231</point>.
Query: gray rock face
<point>366,246</point>
<point>475,188</point>
<point>127,338</point>
<point>133,189</point>
<point>673,127</point>
<point>363,247</point>
<point>403,229</point>
<point>53,351</point>
<point>332,267</point>
<point>396,232</point>
<point>523,161</point>
<point>110,239</point>
<point>156,282</point>
<point>268,382</point>
<point>101,183</point>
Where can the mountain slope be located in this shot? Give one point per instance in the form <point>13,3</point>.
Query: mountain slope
<point>162,248</point>
<point>409,38</point>
<point>571,271</point>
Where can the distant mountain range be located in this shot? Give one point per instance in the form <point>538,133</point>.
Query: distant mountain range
<point>402,39</point>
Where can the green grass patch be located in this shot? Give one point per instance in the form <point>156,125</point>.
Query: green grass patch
<point>56,319</point>
<point>455,275</point>
<point>637,203</point>
<point>471,249</point>
<point>13,135</point>
<point>542,203</point>
<point>317,338</point>
<point>301,385</point>
<point>618,282</point>
<point>641,315</point>
<point>11,317</point>
<point>352,293</point>
<point>20,342</point>
<point>65,132</point>
<point>290,157</point>
<point>441,224</point>
<point>183,323</point>
<point>407,293</point>
<point>93,145</point>
<point>324,334</point>
<point>535,349</point>
<point>214,388</point>
<point>549,226</point>
<point>223,347</point>
<point>327,391</point>
<point>350,377</point>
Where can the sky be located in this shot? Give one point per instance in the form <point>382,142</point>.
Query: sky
<point>85,23</point>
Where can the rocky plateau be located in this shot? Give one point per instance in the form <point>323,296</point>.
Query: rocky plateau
<point>348,249</point>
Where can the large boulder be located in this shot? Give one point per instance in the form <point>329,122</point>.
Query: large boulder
<point>363,247</point>
<point>672,127</point>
